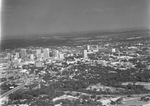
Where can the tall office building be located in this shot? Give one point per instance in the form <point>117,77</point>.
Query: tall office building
<point>32,56</point>
<point>38,53</point>
<point>56,54</point>
<point>88,47</point>
<point>9,56</point>
<point>42,56</point>
<point>23,53</point>
<point>46,53</point>
<point>61,56</point>
<point>85,54</point>
<point>17,55</point>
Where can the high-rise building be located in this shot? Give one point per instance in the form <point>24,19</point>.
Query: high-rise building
<point>56,54</point>
<point>46,53</point>
<point>9,57</point>
<point>85,54</point>
<point>88,47</point>
<point>38,53</point>
<point>23,53</point>
<point>51,54</point>
<point>17,55</point>
<point>42,56</point>
<point>32,56</point>
<point>61,56</point>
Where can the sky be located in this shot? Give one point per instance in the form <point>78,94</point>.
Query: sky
<point>31,17</point>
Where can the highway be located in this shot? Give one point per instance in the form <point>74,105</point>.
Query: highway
<point>22,85</point>
<point>14,89</point>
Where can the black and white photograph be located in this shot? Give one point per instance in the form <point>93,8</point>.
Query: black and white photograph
<point>75,53</point>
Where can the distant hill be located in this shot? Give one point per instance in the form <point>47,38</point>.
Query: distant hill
<point>74,38</point>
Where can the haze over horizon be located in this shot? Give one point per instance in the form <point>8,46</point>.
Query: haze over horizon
<point>31,17</point>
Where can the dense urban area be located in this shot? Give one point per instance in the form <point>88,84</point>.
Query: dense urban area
<point>101,71</point>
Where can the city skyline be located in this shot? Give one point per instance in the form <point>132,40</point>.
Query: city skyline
<point>75,53</point>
